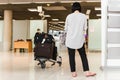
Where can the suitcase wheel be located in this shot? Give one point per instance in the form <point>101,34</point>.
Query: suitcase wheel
<point>43,65</point>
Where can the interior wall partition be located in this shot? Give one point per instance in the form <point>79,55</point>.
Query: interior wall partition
<point>111,33</point>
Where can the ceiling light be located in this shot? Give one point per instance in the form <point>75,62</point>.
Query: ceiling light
<point>52,8</point>
<point>47,15</point>
<point>61,22</point>
<point>32,9</point>
<point>48,4</point>
<point>67,1</point>
<point>98,14</point>
<point>18,2</point>
<point>97,8</point>
<point>88,11</point>
<point>93,1</point>
<point>55,19</point>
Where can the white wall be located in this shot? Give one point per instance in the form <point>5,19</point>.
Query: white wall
<point>20,29</point>
<point>34,25</point>
<point>24,29</point>
<point>1,30</point>
<point>45,26</point>
<point>94,31</point>
<point>1,33</point>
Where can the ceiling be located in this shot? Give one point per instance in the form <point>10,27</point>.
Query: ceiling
<point>56,9</point>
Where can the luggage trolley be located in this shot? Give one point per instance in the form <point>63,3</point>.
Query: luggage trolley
<point>46,52</point>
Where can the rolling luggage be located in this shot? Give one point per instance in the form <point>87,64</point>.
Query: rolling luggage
<point>44,50</point>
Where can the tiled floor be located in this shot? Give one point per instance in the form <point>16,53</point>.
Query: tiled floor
<point>21,66</point>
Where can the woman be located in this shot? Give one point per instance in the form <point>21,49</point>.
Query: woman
<point>75,27</point>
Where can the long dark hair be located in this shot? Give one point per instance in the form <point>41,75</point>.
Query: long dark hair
<point>76,6</point>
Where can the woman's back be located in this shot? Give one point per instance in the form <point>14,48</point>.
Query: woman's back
<point>75,25</point>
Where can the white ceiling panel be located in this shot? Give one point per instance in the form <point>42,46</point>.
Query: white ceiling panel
<point>20,1</point>
<point>55,10</point>
<point>80,0</point>
<point>94,0</point>
<point>3,1</point>
<point>51,8</point>
<point>42,1</point>
<point>52,1</point>
<point>45,1</point>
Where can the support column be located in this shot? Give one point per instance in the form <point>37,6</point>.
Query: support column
<point>45,29</point>
<point>7,30</point>
<point>104,4</point>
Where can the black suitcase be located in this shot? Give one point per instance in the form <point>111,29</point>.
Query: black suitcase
<point>44,50</point>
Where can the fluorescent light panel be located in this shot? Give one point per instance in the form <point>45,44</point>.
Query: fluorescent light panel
<point>93,1</point>
<point>32,9</point>
<point>19,2</point>
<point>98,14</point>
<point>52,8</point>
<point>61,22</point>
<point>47,15</point>
<point>88,11</point>
<point>97,8</point>
<point>55,19</point>
<point>48,5</point>
<point>69,1</point>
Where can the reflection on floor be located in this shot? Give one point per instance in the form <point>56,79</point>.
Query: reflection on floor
<point>21,66</point>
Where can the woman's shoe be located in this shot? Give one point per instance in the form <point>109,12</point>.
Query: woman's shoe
<point>88,74</point>
<point>74,74</point>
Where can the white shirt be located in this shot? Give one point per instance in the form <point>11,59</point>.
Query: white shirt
<point>75,27</point>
